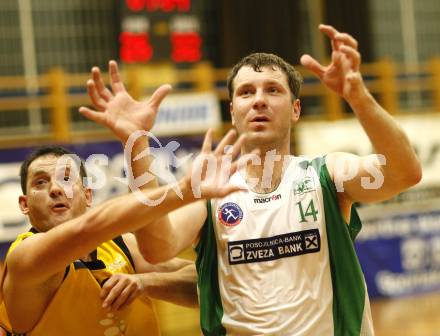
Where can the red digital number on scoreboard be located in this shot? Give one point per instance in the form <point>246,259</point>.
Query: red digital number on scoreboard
<point>164,5</point>
<point>135,47</point>
<point>155,24</point>
<point>186,47</point>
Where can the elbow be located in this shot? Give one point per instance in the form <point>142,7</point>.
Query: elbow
<point>194,303</point>
<point>149,254</point>
<point>413,175</point>
<point>154,259</point>
<point>156,255</point>
<point>416,174</point>
<point>156,248</point>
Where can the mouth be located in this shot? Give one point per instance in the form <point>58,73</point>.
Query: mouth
<point>260,118</point>
<point>60,207</point>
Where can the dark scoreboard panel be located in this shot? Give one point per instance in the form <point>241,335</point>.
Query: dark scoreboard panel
<point>161,30</point>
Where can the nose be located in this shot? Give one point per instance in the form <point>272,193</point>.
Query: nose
<point>56,190</point>
<point>259,100</point>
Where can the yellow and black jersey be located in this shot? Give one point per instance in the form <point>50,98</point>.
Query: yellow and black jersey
<point>76,308</point>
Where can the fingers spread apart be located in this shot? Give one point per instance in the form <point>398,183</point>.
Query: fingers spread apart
<point>313,65</point>
<point>337,38</point>
<point>97,100</point>
<point>159,95</point>
<point>353,55</point>
<point>347,39</point>
<point>93,115</point>
<point>103,92</point>
<point>226,141</point>
<point>115,77</point>
<point>207,142</point>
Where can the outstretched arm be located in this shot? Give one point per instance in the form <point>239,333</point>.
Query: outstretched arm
<point>131,122</point>
<point>395,167</point>
<point>32,260</point>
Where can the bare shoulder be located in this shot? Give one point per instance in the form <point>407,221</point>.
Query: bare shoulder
<point>20,258</point>
<point>19,281</point>
<point>195,212</point>
<point>339,162</point>
<point>25,300</point>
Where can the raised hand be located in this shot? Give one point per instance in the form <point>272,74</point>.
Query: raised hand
<point>120,290</point>
<point>211,170</point>
<point>116,109</point>
<point>342,74</point>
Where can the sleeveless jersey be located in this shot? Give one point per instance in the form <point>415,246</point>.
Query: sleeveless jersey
<point>76,306</point>
<point>282,263</point>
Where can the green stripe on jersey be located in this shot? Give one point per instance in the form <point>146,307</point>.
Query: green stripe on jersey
<point>347,277</point>
<point>211,309</point>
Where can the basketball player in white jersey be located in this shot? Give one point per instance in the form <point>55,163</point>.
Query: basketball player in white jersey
<point>279,258</point>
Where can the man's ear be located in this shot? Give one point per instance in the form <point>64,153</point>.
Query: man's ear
<point>231,110</point>
<point>296,110</point>
<point>22,203</point>
<point>89,196</point>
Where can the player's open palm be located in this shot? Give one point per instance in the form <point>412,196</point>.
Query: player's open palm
<point>212,169</point>
<point>116,109</point>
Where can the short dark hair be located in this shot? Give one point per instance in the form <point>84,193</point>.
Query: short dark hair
<point>56,151</point>
<point>260,60</point>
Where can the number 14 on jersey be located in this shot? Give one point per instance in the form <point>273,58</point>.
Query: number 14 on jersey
<point>310,211</point>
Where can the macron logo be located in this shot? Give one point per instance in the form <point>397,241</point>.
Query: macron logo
<point>260,200</point>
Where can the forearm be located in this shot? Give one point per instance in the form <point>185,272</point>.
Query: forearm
<point>179,287</point>
<point>172,265</point>
<point>132,148</point>
<point>129,214</point>
<point>387,138</point>
<point>158,244</point>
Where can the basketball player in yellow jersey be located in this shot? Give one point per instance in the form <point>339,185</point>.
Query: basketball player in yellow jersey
<point>100,290</point>
<point>53,275</point>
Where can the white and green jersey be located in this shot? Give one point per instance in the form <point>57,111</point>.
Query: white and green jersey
<point>282,263</point>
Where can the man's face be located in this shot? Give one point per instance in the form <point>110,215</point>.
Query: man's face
<point>46,202</point>
<point>262,105</point>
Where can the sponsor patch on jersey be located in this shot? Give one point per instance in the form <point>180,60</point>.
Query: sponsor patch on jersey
<point>117,265</point>
<point>230,214</point>
<point>260,200</point>
<point>305,185</point>
<point>276,247</point>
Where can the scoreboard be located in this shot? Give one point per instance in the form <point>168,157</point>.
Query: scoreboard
<point>161,30</point>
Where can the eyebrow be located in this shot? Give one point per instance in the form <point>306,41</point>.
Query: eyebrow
<point>266,83</point>
<point>272,82</point>
<point>33,175</point>
<point>45,172</point>
<point>39,172</point>
<point>243,85</point>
